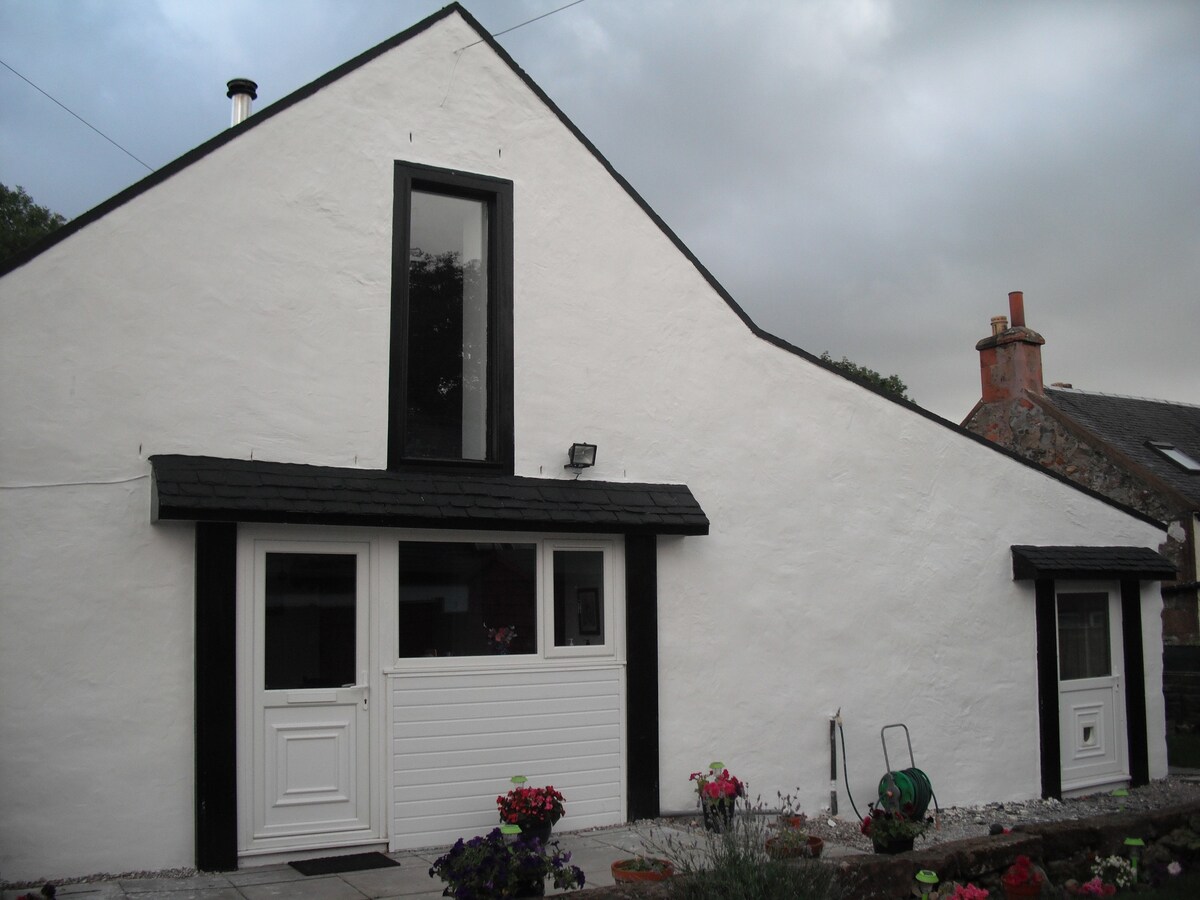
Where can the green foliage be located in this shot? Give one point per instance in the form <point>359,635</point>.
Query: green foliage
<point>890,384</point>
<point>733,865</point>
<point>23,222</point>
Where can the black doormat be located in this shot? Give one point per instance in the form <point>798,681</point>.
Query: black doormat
<point>331,865</point>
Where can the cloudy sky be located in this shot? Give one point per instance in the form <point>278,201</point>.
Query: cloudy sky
<point>867,177</point>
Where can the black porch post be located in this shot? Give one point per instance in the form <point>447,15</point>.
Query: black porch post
<point>216,745</point>
<point>1047,677</point>
<point>1135,681</point>
<point>641,683</point>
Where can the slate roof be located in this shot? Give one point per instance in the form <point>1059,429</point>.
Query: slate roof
<point>1127,423</point>
<point>209,488</point>
<point>1090,562</point>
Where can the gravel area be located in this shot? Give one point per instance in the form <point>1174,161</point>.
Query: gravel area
<point>954,823</point>
<point>959,822</point>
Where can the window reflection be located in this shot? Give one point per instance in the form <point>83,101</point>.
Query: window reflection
<point>467,599</point>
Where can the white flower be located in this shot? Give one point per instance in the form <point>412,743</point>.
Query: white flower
<point>1174,868</point>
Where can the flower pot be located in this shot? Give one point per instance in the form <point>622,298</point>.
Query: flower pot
<point>717,816</point>
<point>892,846</point>
<point>532,889</point>
<point>782,848</point>
<point>622,874</point>
<point>541,832</point>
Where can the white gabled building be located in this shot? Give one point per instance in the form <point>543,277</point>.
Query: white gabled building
<point>283,436</point>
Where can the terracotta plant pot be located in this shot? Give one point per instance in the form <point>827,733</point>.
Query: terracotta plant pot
<point>622,873</point>
<point>782,848</point>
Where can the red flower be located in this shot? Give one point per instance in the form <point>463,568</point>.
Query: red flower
<point>530,806</point>
<point>1022,871</point>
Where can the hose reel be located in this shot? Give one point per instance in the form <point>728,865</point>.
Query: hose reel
<point>906,791</point>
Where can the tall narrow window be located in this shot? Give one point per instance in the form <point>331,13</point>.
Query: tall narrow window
<point>451,381</point>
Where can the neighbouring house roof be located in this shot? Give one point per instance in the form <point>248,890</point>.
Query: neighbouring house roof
<point>1128,425</point>
<point>205,488</point>
<point>1090,562</point>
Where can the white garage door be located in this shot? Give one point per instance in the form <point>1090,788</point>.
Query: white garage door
<point>457,738</point>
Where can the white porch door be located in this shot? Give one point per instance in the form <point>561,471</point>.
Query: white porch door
<point>311,766</point>
<point>1091,707</point>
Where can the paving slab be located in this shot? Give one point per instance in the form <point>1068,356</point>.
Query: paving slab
<point>187,893</point>
<point>408,879</point>
<point>201,881</point>
<point>324,887</point>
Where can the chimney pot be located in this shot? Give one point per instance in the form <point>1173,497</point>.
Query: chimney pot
<point>1016,308</point>
<point>1010,358</point>
<point>241,91</point>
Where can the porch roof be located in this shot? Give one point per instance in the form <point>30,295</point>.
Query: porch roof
<point>205,488</point>
<point>1090,562</point>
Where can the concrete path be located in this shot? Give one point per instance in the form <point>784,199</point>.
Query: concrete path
<point>592,851</point>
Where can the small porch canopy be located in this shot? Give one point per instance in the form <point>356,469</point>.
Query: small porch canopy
<point>1142,563</point>
<point>212,489</point>
<point>1129,566</point>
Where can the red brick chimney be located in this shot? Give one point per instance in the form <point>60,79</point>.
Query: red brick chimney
<point>1010,360</point>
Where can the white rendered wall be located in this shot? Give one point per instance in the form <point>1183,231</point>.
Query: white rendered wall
<point>859,554</point>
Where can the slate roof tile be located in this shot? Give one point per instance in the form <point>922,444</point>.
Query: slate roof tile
<point>212,488</point>
<point>1081,562</point>
<point>1127,423</point>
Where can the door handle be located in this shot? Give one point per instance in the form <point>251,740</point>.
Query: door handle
<point>365,688</point>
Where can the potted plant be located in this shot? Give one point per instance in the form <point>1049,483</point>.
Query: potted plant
<point>1023,879</point>
<point>790,815</point>
<point>641,868</point>
<point>500,638</point>
<point>790,843</point>
<point>892,831</point>
<point>534,809</point>
<point>491,866</point>
<point>717,792</point>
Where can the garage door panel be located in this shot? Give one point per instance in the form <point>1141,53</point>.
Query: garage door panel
<point>457,739</point>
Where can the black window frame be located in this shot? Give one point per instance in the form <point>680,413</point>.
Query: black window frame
<point>497,193</point>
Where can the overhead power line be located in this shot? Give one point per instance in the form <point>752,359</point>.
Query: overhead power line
<point>527,21</point>
<point>76,115</point>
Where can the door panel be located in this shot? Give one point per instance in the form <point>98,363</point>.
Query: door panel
<point>1091,711</point>
<point>311,758</point>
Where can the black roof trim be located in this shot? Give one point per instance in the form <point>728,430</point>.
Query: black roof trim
<point>363,58</point>
<point>1090,562</point>
<point>206,488</point>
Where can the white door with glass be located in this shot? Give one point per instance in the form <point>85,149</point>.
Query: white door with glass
<point>309,738</point>
<point>1091,706</point>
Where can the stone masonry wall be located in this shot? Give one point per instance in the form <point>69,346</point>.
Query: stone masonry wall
<point>1023,426</point>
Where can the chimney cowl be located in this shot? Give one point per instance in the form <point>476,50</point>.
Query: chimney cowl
<point>241,91</point>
